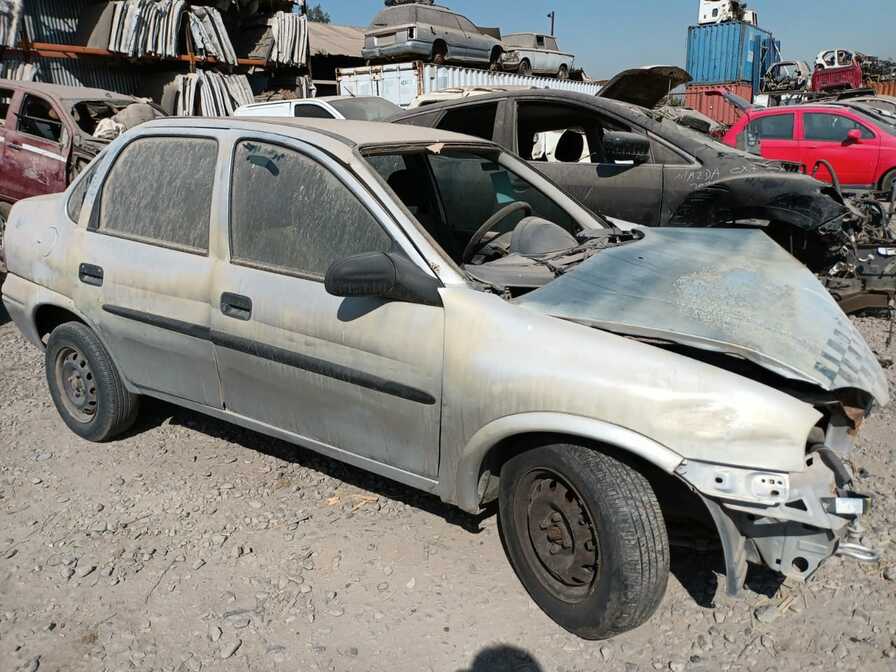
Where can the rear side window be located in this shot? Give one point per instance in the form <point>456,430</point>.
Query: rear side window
<point>773,127</point>
<point>831,127</point>
<point>79,193</point>
<point>5,102</point>
<point>436,18</point>
<point>160,191</point>
<point>475,120</point>
<point>290,213</point>
<point>312,112</point>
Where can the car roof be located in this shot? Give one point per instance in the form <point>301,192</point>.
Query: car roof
<point>65,92</point>
<point>339,137</point>
<point>554,95</point>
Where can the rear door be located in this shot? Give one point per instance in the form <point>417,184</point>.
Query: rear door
<point>144,270</point>
<point>360,376</point>
<point>826,137</point>
<point>7,121</point>
<point>36,148</point>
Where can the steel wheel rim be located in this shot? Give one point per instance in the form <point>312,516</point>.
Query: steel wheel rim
<point>561,535</point>
<point>77,384</point>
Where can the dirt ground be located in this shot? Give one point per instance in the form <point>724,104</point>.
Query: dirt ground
<point>195,545</point>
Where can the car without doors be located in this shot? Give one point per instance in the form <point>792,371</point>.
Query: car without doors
<point>426,306</point>
<point>631,163</point>
<point>536,53</point>
<point>431,33</point>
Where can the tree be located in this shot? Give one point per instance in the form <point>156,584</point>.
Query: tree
<point>317,14</point>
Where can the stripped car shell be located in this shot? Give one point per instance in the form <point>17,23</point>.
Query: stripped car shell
<point>624,343</point>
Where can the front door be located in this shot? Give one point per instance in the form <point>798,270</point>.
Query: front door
<point>361,376</point>
<point>826,136</point>
<point>775,135</point>
<point>144,270</point>
<point>35,149</point>
<point>565,142</point>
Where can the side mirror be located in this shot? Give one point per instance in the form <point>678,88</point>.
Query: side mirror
<point>382,275</point>
<point>854,137</point>
<point>623,147</point>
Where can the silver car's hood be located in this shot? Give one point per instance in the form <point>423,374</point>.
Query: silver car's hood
<point>725,290</point>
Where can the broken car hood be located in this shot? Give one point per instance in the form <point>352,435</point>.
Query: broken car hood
<point>645,86</point>
<point>722,290</point>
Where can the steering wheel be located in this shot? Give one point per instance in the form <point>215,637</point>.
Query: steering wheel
<point>476,243</point>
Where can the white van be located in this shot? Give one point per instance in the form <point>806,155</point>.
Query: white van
<point>367,108</point>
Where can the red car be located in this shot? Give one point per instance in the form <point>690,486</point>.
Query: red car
<point>860,144</point>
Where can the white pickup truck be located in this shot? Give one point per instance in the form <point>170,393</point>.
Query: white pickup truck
<point>534,53</point>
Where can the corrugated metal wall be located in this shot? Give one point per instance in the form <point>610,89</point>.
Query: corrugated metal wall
<point>54,21</point>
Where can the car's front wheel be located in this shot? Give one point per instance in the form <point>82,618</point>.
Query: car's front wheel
<point>85,385</point>
<point>586,537</point>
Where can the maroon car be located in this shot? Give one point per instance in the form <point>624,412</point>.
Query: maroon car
<point>47,136</point>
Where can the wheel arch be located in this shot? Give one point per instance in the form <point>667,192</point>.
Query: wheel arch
<point>48,316</point>
<point>493,444</point>
<point>496,53</point>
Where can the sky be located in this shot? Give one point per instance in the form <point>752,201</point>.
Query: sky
<point>610,36</point>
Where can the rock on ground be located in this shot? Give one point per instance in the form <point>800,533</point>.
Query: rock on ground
<point>195,545</point>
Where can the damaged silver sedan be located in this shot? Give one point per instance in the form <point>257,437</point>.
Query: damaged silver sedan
<point>428,307</point>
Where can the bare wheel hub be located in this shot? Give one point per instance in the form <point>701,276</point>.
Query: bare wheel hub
<point>76,380</point>
<point>562,536</point>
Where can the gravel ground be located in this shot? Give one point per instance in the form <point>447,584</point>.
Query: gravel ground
<point>195,545</point>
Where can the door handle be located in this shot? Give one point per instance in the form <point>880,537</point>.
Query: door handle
<point>91,275</point>
<point>236,306</point>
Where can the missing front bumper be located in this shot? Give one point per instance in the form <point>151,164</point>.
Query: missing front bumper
<point>793,537</point>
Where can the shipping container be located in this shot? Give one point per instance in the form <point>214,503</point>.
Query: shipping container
<point>401,83</point>
<point>730,52</point>
<point>884,88</point>
<point>703,98</point>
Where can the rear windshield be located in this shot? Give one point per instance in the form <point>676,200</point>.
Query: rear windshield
<point>366,109</point>
<point>520,40</point>
<point>394,16</point>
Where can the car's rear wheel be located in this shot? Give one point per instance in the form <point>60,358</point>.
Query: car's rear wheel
<point>886,184</point>
<point>586,537</point>
<point>86,388</point>
<point>564,72</point>
<point>525,67</point>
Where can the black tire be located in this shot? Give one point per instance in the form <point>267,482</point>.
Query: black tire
<point>886,184</point>
<point>85,385</point>
<point>525,67</point>
<point>556,499</point>
<point>564,72</point>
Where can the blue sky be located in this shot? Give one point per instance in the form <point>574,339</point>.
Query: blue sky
<point>608,36</point>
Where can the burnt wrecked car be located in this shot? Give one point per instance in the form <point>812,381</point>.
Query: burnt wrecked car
<point>427,307</point>
<point>48,133</point>
<point>632,163</point>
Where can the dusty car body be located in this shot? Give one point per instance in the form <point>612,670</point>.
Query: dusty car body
<point>535,53</point>
<point>428,32</point>
<point>46,137</point>
<point>630,163</point>
<point>429,308</point>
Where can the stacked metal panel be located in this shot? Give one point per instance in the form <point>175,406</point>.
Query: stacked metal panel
<point>146,27</point>
<point>10,15</point>
<point>290,39</point>
<point>153,27</point>
<point>211,94</point>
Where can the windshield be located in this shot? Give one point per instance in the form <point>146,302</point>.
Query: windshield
<point>366,109</point>
<point>884,120</point>
<point>453,192</point>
